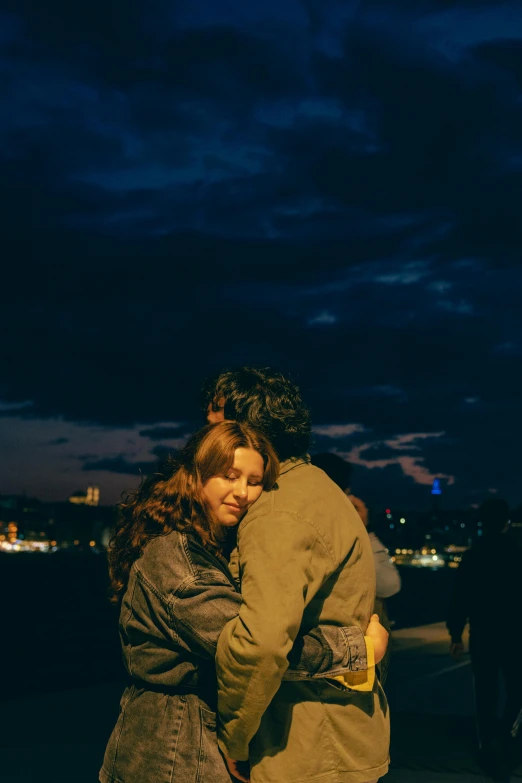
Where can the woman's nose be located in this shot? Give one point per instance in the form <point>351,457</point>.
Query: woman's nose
<point>241,489</point>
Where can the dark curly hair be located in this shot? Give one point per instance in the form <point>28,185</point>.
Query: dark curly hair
<point>172,498</point>
<point>266,400</point>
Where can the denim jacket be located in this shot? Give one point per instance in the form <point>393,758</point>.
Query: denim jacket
<point>178,600</point>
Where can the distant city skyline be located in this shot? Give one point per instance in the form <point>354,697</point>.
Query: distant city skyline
<point>115,458</point>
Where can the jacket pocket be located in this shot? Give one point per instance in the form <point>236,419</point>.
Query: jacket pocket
<point>208,718</point>
<point>197,758</point>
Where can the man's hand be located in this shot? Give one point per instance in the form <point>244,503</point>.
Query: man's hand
<point>456,650</point>
<point>238,769</point>
<point>379,636</point>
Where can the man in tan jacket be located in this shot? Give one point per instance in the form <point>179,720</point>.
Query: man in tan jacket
<point>305,558</point>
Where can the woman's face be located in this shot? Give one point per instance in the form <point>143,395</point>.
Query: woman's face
<point>231,494</point>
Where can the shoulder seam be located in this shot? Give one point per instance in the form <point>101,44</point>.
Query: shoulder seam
<point>301,518</point>
<point>186,549</point>
<point>152,588</point>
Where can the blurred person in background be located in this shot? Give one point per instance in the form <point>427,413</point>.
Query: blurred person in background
<point>387,577</point>
<point>488,589</point>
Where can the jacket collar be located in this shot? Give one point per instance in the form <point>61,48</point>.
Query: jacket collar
<point>293,462</point>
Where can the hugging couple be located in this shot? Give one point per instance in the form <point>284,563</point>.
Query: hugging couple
<point>246,586</point>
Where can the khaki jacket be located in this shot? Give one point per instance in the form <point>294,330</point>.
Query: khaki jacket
<point>305,558</point>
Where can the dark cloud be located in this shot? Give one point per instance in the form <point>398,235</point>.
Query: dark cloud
<point>162,451</point>
<point>121,465</point>
<point>334,191</point>
<point>504,54</point>
<point>161,433</point>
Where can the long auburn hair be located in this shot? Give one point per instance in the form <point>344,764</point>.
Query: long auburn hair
<point>172,498</point>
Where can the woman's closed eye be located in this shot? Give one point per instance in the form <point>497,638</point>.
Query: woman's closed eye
<point>251,483</point>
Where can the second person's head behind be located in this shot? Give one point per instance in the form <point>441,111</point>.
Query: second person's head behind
<point>267,400</point>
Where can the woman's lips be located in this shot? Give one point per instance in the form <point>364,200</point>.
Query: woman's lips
<point>233,507</point>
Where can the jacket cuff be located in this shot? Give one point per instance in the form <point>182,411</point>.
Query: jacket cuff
<point>326,651</point>
<point>361,680</point>
<point>357,645</point>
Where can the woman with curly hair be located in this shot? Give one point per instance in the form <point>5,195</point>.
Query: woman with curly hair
<point>169,571</point>
<point>168,567</point>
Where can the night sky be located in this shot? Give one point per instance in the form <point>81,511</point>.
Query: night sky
<point>330,188</point>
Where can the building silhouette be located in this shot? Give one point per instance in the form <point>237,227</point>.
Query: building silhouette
<point>89,498</point>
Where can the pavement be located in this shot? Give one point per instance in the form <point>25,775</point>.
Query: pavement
<point>432,711</point>
<point>59,737</point>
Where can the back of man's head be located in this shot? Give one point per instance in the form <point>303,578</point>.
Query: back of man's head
<point>494,515</point>
<point>265,399</point>
<point>337,468</point>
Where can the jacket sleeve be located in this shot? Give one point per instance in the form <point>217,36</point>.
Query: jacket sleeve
<point>327,650</point>
<point>322,652</point>
<point>458,610</point>
<point>203,606</point>
<point>388,579</point>
<point>200,609</point>
<point>283,563</point>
